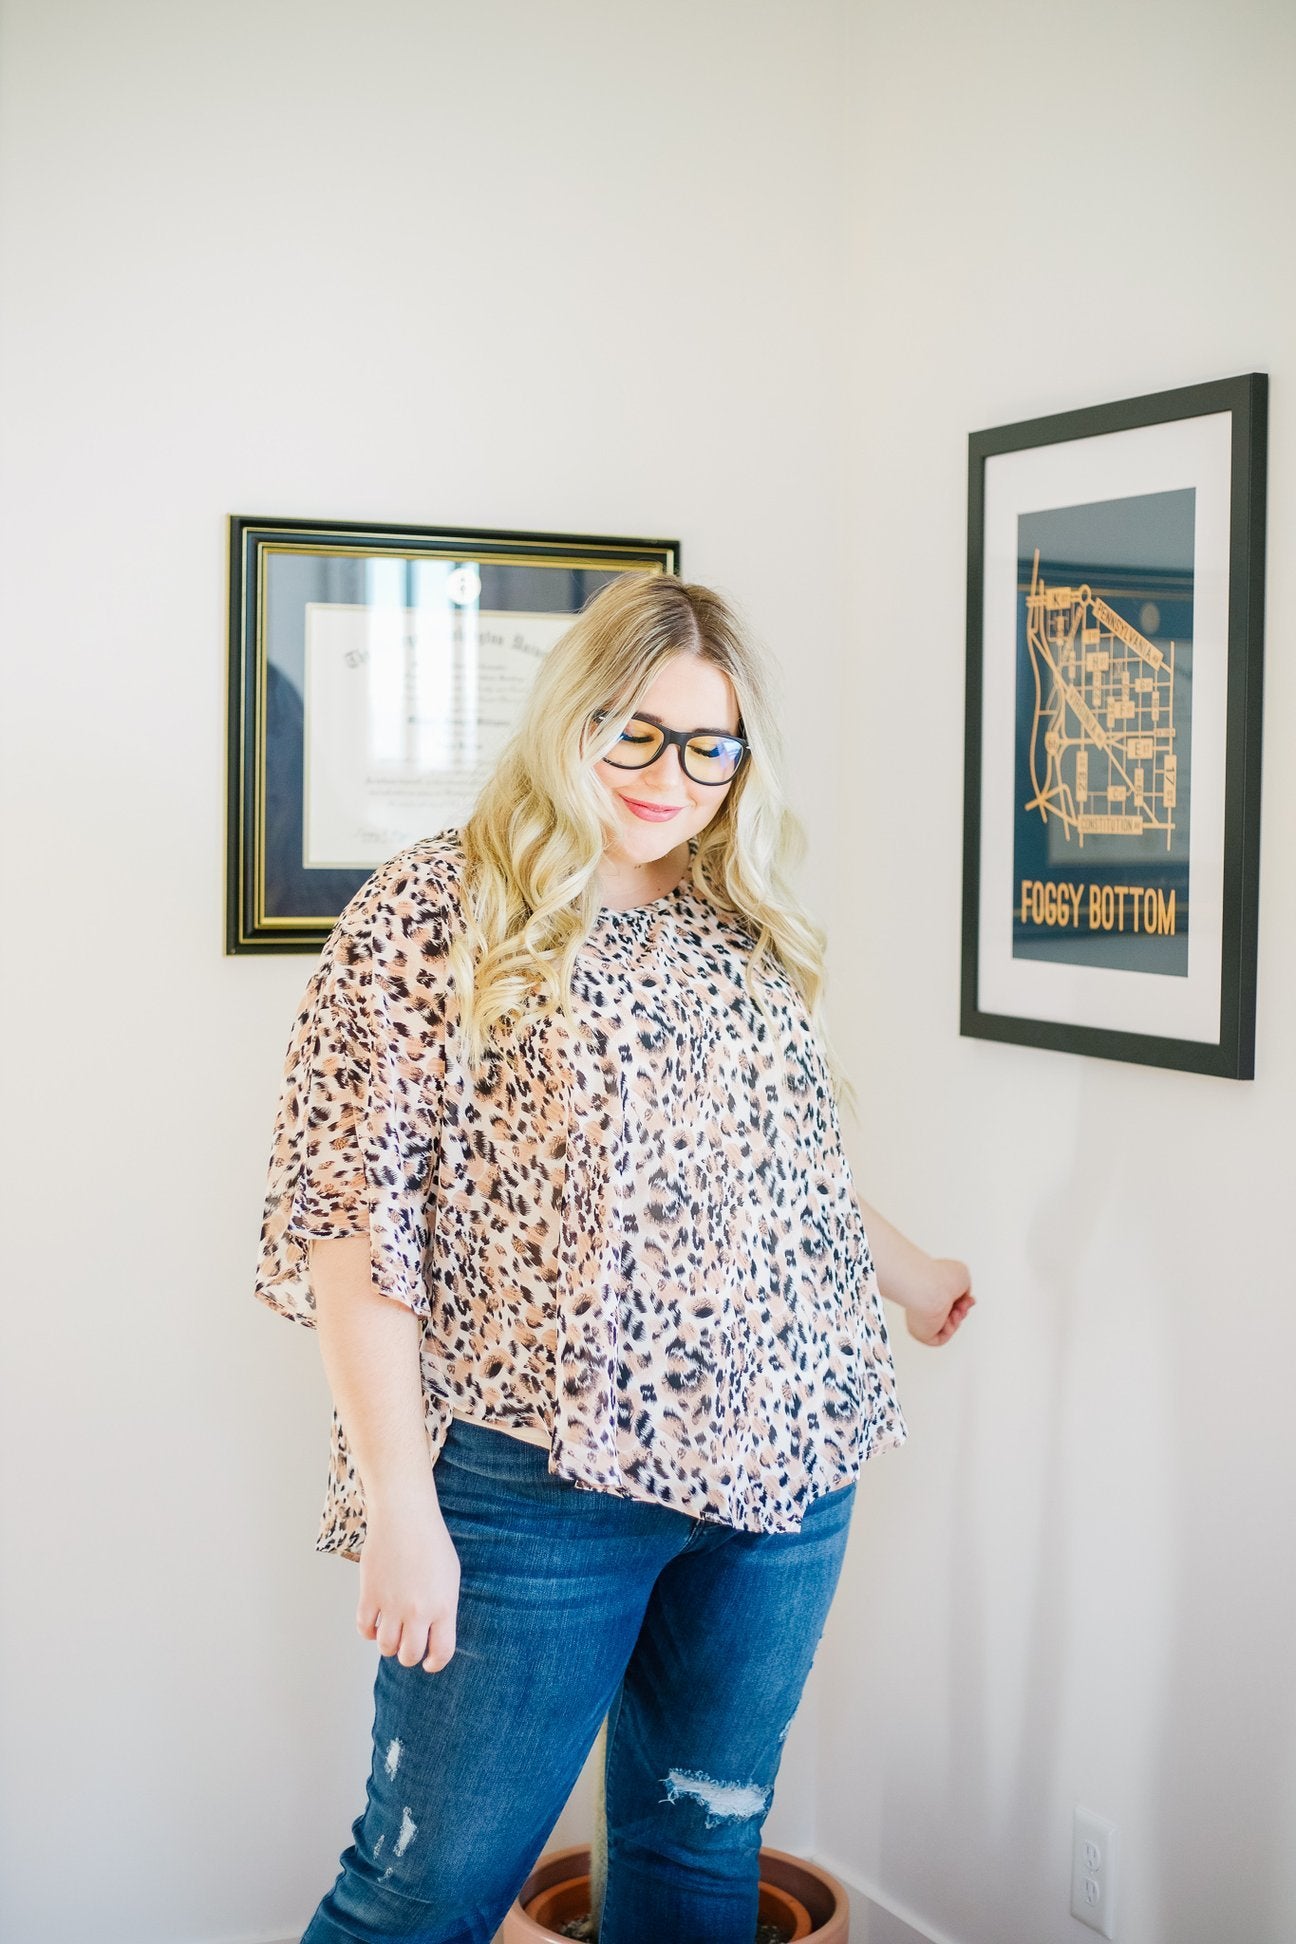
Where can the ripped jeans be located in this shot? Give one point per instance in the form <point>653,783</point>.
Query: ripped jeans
<point>695,1640</point>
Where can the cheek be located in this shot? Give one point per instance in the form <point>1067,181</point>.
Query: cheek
<point>706,803</point>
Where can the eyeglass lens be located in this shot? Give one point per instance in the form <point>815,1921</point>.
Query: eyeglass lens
<point>707,759</point>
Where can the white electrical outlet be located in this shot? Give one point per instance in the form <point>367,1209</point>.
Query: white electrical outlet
<point>1093,1872</point>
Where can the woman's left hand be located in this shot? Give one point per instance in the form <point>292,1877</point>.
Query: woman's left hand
<point>946,1299</point>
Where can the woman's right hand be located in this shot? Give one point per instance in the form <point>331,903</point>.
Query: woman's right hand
<point>409,1581</point>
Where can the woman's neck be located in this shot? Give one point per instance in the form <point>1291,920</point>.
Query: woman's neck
<point>623,885</point>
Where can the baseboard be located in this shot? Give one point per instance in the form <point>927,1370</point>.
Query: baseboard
<point>266,1937</point>
<point>876,1919</point>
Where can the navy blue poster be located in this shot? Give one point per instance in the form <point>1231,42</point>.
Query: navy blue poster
<point>1103,769</point>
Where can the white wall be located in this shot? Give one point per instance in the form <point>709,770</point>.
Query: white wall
<point>1077,1582</point>
<point>569,267</point>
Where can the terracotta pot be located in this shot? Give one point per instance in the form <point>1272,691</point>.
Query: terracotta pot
<point>796,1894</point>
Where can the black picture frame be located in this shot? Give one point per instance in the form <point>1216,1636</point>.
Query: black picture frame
<point>1111,771</point>
<point>287,578</point>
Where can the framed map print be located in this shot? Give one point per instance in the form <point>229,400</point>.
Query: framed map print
<point>375,673</point>
<point>1112,755</point>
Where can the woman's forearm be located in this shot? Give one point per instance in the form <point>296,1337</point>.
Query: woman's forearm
<point>934,1291</point>
<point>370,1347</point>
<point>409,1569</point>
<point>903,1269</point>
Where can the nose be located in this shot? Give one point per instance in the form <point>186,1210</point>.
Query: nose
<point>669,749</point>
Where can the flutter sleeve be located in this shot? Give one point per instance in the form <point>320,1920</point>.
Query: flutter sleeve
<point>356,1122</point>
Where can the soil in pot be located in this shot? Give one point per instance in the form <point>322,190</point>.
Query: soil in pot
<point>583,1928</point>
<point>798,1901</point>
<point>564,1909</point>
<point>765,1933</point>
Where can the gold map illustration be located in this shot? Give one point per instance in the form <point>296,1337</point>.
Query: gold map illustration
<point>1103,729</point>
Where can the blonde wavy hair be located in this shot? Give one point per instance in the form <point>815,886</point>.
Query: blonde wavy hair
<point>536,835</point>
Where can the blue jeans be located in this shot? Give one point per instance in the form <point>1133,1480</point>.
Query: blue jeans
<point>694,1639</point>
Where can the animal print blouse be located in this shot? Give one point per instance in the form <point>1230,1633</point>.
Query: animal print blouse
<point>636,1243</point>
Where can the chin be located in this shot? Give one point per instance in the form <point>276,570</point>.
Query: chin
<point>646,843</point>
<point>653,845</point>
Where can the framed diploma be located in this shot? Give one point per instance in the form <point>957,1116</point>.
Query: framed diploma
<point>375,673</point>
<point>1112,758</point>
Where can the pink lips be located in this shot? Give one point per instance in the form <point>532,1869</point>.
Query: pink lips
<point>652,813</point>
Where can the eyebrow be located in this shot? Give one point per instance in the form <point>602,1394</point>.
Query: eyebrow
<point>642,715</point>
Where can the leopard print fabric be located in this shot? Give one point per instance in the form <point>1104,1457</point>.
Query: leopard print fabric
<point>639,1238</point>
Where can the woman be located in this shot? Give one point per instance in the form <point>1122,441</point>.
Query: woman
<point>558,1177</point>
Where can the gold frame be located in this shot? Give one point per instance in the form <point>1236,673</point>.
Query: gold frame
<point>251,925</point>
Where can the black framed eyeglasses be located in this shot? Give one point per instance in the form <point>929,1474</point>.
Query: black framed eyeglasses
<point>708,755</point>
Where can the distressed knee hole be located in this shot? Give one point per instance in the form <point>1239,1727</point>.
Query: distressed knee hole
<point>723,1801</point>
